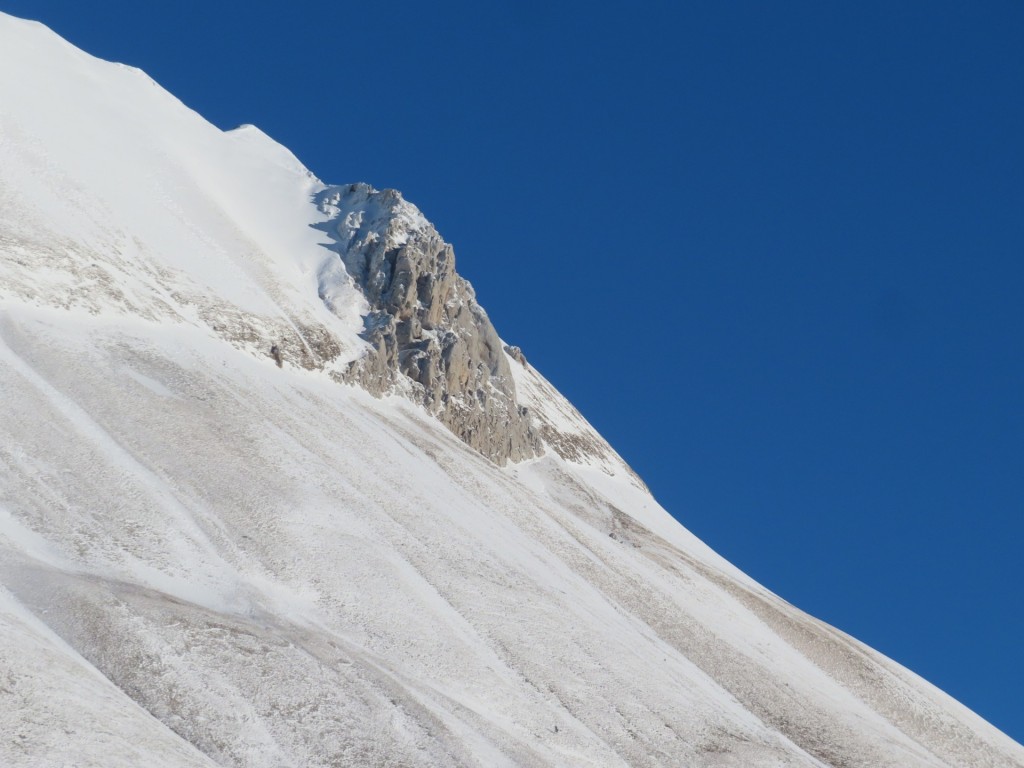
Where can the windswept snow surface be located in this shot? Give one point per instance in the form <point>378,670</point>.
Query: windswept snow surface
<point>209,560</point>
<point>117,198</point>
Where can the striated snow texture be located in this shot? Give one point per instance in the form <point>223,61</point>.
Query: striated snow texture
<point>216,549</point>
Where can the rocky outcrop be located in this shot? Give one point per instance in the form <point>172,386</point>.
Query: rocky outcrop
<point>429,337</point>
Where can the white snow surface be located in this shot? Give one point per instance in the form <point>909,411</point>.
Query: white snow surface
<point>119,199</point>
<point>209,560</point>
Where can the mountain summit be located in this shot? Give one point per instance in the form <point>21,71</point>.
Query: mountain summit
<point>274,492</point>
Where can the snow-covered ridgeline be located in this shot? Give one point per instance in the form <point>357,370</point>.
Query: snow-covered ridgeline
<point>209,560</point>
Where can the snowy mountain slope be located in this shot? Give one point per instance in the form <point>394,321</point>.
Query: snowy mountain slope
<point>209,559</point>
<point>117,198</point>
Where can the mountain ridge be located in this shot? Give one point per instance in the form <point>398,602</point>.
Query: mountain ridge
<point>208,559</point>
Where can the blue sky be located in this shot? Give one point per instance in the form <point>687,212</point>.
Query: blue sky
<point>774,252</point>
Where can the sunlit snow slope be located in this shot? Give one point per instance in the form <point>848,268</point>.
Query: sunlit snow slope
<point>207,559</point>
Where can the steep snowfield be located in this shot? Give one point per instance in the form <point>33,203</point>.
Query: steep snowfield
<point>117,198</point>
<point>206,559</point>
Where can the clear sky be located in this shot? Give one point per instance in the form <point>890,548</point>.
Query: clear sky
<point>773,251</point>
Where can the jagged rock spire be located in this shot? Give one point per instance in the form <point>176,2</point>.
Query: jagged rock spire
<point>430,338</point>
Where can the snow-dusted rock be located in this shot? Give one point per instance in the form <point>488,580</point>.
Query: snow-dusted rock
<point>425,324</point>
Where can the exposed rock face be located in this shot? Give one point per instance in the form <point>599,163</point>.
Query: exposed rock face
<point>516,354</point>
<point>430,338</point>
